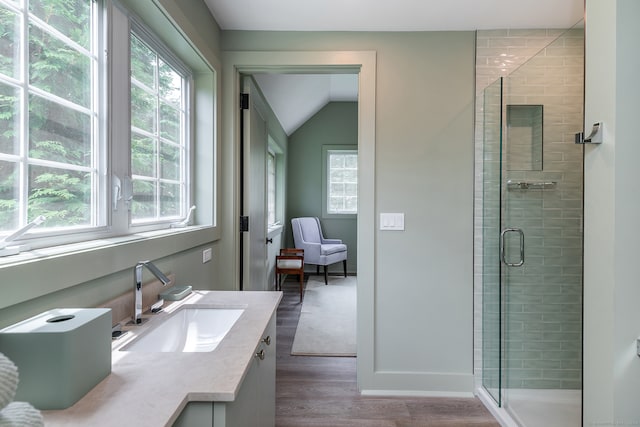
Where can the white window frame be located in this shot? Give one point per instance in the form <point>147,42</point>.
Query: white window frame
<point>272,188</point>
<point>114,125</point>
<point>42,237</point>
<point>186,175</point>
<point>327,150</point>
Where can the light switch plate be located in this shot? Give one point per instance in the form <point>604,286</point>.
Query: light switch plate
<point>392,221</point>
<point>206,255</point>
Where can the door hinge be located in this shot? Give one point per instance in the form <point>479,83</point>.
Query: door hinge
<point>244,101</point>
<point>244,224</point>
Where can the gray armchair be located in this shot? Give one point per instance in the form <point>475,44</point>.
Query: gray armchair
<point>307,235</point>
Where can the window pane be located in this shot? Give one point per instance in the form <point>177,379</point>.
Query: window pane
<point>63,196</point>
<point>143,63</point>
<point>70,17</point>
<point>143,155</point>
<point>143,204</point>
<point>169,199</point>
<point>170,84</point>
<point>349,175</point>
<point>157,111</point>
<point>9,43</point>
<point>143,110</point>
<point>336,161</point>
<point>342,185</point>
<point>351,204</point>
<point>57,68</point>
<point>170,162</point>
<point>337,189</point>
<point>9,119</point>
<point>9,195</point>
<point>170,123</point>
<point>337,175</point>
<point>271,188</point>
<point>351,161</point>
<point>58,133</point>
<point>336,204</point>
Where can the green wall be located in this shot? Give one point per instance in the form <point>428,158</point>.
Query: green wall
<point>335,124</point>
<point>419,311</point>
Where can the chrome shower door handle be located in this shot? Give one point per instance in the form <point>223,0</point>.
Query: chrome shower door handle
<point>502,247</point>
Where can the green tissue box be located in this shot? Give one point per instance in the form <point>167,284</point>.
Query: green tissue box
<point>61,354</point>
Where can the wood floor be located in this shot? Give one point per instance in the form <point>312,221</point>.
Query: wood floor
<point>322,391</point>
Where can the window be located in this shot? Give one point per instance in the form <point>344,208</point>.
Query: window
<point>158,134</point>
<point>70,126</point>
<point>341,181</point>
<point>49,114</point>
<point>271,188</point>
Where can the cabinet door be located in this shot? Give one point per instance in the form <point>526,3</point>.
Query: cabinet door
<point>255,404</point>
<point>242,412</point>
<point>196,414</point>
<point>267,378</point>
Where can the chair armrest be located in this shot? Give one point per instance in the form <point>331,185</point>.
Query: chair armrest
<point>292,251</point>
<point>311,252</point>
<point>331,241</point>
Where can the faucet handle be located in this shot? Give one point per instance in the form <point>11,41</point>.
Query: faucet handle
<point>157,306</point>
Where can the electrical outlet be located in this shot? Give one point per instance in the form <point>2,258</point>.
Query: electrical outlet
<point>206,255</point>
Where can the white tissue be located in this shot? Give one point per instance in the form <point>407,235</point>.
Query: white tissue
<point>20,414</point>
<point>8,381</point>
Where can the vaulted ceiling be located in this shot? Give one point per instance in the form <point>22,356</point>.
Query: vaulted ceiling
<point>295,98</point>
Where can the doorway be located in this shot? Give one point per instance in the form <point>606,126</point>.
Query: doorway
<point>362,63</point>
<point>300,141</point>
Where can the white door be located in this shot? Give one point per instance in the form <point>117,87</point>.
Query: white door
<point>254,265</point>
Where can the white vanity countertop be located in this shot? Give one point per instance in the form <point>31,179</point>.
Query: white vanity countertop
<point>152,389</point>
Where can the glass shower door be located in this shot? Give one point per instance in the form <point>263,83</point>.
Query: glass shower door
<point>541,236</point>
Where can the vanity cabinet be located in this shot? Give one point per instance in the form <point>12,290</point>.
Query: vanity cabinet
<point>255,404</point>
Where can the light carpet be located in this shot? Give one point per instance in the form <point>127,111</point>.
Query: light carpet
<point>327,325</point>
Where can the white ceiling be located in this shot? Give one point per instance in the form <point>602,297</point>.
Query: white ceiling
<point>394,15</point>
<point>295,98</point>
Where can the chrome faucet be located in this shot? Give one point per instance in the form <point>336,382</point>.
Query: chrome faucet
<point>137,286</point>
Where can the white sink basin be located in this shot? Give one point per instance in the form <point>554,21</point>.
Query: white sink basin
<point>189,329</point>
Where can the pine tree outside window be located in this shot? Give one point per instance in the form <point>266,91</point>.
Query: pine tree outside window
<point>158,134</point>
<point>99,148</point>
<point>49,109</point>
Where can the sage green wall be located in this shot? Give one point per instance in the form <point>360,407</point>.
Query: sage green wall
<point>89,278</point>
<point>335,124</point>
<point>423,288</point>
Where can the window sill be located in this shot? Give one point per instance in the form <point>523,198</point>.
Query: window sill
<point>42,271</point>
<point>275,230</point>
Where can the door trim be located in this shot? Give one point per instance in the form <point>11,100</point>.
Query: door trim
<point>364,64</point>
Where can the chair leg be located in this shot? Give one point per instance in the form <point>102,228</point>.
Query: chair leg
<point>301,276</point>
<point>325,275</point>
<point>317,270</point>
<point>344,264</point>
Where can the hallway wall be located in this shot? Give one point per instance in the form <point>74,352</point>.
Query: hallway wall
<point>335,124</point>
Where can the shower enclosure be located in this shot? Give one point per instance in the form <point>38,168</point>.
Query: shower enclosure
<point>532,237</point>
